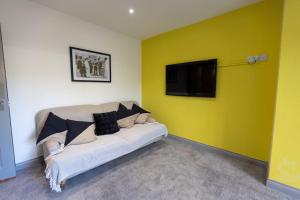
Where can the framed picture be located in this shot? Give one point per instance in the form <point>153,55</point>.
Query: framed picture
<point>90,66</point>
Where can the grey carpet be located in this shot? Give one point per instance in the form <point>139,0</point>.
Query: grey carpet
<point>166,170</point>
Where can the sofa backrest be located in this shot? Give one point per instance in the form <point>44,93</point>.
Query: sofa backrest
<point>80,112</point>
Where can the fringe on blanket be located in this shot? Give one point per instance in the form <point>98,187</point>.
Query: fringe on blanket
<point>52,176</point>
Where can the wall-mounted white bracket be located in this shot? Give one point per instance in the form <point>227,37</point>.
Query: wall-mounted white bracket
<point>257,58</point>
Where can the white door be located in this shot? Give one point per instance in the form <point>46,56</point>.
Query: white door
<point>7,158</point>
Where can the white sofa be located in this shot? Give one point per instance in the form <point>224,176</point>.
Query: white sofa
<point>76,159</point>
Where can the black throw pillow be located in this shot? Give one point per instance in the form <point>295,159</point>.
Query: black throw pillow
<point>123,112</point>
<point>75,128</point>
<point>106,123</point>
<point>53,124</point>
<point>136,109</point>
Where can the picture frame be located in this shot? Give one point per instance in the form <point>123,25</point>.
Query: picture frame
<point>89,66</point>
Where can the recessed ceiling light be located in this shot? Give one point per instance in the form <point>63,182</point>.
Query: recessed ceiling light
<point>131,11</point>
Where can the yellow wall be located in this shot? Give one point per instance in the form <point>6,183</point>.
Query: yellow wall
<point>240,118</point>
<point>285,157</point>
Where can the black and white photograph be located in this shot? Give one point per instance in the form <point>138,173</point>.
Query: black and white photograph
<point>90,66</point>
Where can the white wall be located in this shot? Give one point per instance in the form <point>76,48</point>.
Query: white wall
<point>36,47</point>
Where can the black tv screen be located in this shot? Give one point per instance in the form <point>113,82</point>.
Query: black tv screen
<point>196,79</point>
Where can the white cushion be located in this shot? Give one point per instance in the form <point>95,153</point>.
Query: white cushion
<point>127,122</point>
<point>142,118</point>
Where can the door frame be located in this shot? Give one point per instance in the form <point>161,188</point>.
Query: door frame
<point>8,106</point>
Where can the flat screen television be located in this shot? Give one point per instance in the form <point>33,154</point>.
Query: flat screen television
<point>196,79</point>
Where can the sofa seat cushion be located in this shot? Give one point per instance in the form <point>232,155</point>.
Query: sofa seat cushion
<point>141,134</point>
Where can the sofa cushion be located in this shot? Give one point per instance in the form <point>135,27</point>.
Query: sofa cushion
<point>127,122</point>
<point>126,118</point>
<point>123,112</point>
<point>136,109</point>
<point>53,125</point>
<point>106,123</point>
<point>142,118</point>
<point>80,132</point>
<point>144,115</point>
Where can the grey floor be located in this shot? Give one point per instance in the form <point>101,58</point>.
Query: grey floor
<point>167,170</point>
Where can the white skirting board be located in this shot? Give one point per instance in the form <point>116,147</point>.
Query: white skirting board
<point>30,163</point>
<point>293,192</point>
<point>221,151</point>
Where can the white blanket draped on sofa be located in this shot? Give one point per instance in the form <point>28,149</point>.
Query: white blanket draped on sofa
<point>76,159</point>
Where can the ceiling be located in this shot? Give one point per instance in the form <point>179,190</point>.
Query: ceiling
<point>151,17</point>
